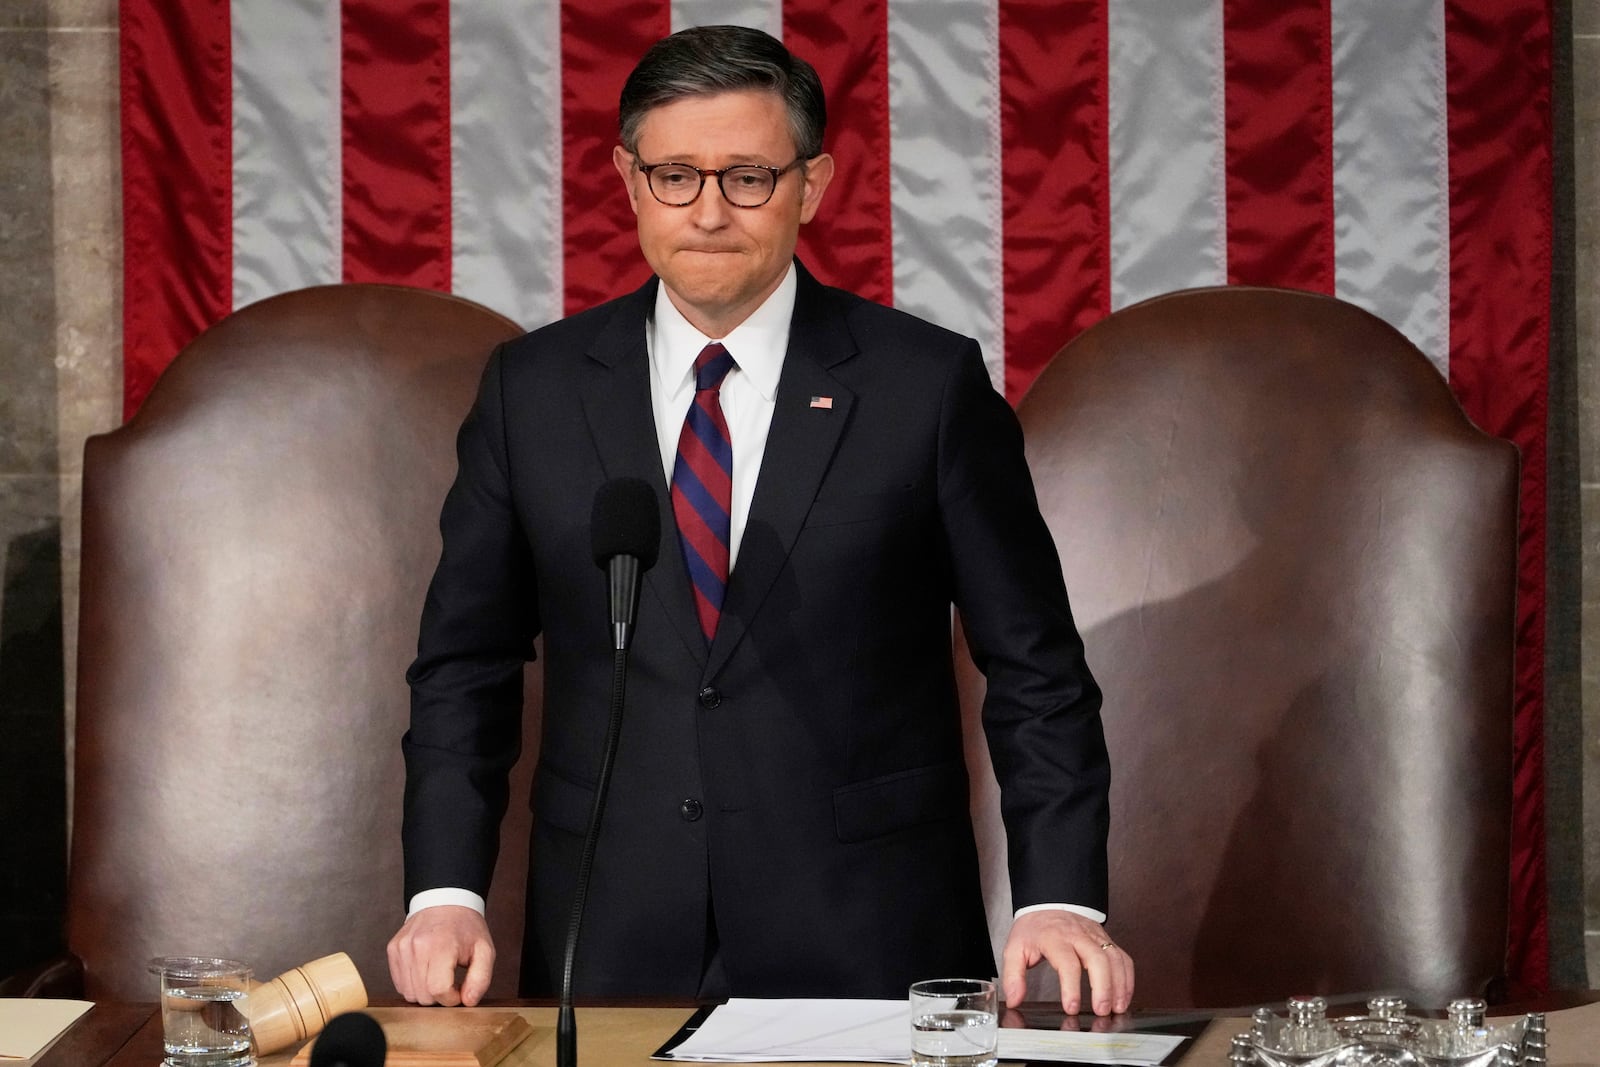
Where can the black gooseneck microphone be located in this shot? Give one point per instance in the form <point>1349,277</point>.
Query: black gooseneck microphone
<point>625,531</point>
<point>353,1039</point>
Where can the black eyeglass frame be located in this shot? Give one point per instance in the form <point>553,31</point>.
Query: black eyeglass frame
<point>707,172</point>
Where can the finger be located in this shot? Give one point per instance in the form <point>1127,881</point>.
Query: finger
<point>1070,971</point>
<point>1013,966</point>
<point>399,973</point>
<point>406,978</point>
<point>411,969</point>
<point>392,955</point>
<point>439,979</point>
<point>1097,961</point>
<point>1119,989</point>
<point>418,972</point>
<point>1117,992</point>
<point>480,967</point>
<point>1125,999</point>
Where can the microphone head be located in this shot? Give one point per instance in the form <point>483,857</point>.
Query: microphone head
<point>626,522</point>
<point>353,1039</point>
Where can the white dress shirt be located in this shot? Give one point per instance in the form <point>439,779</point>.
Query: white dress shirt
<point>757,345</point>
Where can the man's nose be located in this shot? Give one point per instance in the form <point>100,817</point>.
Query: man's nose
<point>711,209</point>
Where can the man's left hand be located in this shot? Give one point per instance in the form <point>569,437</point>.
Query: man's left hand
<point>1072,944</point>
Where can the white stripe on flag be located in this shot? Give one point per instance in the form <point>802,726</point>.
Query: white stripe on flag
<point>1168,193</point>
<point>759,14</point>
<point>505,157</point>
<point>1391,166</point>
<point>944,167</point>
<point>287,211</point>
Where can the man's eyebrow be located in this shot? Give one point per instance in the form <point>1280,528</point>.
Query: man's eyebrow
<point>734,159</point>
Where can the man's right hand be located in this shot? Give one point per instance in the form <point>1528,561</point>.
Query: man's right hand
<point>424,954</point>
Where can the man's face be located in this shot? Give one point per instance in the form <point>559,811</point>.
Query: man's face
<point>718,261</point>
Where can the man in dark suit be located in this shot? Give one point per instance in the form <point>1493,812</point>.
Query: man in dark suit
<point>789,811</point>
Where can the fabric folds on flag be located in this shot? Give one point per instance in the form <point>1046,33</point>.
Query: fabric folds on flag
<point>1012,169</point>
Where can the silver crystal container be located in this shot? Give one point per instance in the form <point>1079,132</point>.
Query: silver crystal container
<point>1388,1037</point>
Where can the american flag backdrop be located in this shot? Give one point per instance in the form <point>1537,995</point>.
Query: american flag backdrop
<point>1013,169</point>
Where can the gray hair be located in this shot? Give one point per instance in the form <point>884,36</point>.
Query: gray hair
<point>719,59</point>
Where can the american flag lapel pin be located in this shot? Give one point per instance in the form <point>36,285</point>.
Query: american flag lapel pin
<point>823,402</point>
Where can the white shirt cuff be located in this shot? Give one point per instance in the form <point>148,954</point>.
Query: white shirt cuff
<point>432,898</point>
<point>466,898</point>
<point>1087,913</point>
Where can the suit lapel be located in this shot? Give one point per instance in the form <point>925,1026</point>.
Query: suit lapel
<point>800,445</point>
<point>615,392</point>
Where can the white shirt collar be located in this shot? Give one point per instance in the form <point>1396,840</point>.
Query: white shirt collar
<point>757,344</point>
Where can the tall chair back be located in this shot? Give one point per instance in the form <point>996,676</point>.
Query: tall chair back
<point>256,546</point>
<point>1293,562</point>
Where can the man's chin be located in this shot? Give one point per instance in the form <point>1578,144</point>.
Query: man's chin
<point>710,294</point>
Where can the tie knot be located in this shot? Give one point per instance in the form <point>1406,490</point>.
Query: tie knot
<point>711,366</point>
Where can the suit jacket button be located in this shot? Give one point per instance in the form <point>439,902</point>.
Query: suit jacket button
<point>710,697</point>
<point>691,810</point>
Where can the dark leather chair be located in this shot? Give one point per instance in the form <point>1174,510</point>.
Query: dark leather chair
<point>256,545</point>
<point>1292,559</point>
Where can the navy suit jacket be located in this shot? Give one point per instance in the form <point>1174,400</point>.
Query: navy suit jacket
<point>802,778</point>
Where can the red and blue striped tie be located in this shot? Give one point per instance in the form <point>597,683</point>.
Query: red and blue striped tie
<point>702,487</point>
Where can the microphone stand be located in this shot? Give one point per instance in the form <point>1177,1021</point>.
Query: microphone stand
<point>623,571</point>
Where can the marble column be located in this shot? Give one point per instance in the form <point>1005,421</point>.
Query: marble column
<point>60,261</point>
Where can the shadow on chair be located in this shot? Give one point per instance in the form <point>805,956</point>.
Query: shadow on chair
<point>1293,560</point>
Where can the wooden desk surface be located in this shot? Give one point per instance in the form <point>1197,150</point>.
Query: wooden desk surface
<point>129,1035</point>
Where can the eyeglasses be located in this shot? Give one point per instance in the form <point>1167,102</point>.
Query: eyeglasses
<point>747,185</point>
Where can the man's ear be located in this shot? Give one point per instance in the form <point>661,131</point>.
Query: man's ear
<point>819,172</point>
<point>622,159</point>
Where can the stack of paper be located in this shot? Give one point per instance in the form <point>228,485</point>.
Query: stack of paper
<point>29,1026</point>
<point>1132,1049</point>
<point>874,1031</point>
<point>878,1031</point>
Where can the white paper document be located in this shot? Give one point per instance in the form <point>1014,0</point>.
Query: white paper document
<point>1133,1049</point>
<point>878,1031</point>
<point>28,1026</point>
<point>743,1030</point>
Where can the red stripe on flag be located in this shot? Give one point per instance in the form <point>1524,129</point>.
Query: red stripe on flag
<point>1497,59</point>
<point>600,43</point>
<point>177,182</point>
<point>850,243</point>
<point>1055,190</point>
<point>396,142</point>
<point>1278,100</point>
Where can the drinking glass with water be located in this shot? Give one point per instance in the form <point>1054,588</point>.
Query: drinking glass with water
<point>953,1023</point>
<point>203,1021</point>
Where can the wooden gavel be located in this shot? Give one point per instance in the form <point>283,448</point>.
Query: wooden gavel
<point>299,1002</point>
